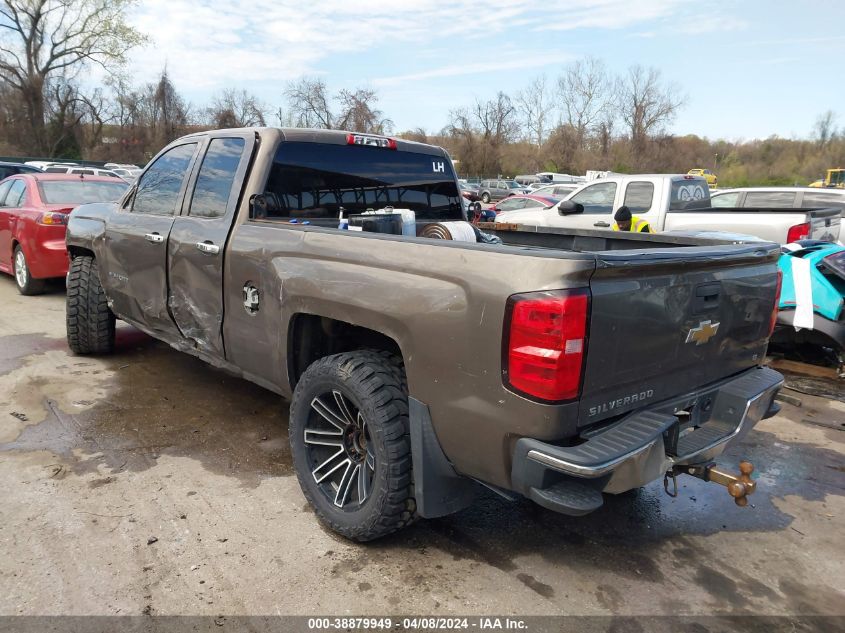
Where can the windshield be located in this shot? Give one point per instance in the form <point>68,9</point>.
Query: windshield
<point>80,191</point>
<point>514,185</point>
<point>314,180</point>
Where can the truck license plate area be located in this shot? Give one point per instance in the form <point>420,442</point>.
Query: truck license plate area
<point>691,419</point>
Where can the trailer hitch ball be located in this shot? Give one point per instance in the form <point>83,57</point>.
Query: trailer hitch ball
<point>738,486</point>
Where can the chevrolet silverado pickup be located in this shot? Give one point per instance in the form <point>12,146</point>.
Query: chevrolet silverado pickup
<point>560,367</point>
<point>679,203</point>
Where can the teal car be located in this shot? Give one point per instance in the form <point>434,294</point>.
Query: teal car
<point>812,300</point>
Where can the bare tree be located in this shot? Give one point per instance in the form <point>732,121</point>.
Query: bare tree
<point>585,91</point>
<point>309,103</point>
<point>825,128</point>
<point>496,119</point>
<point>645,105</point>
<point>236,108</point>
<point>534,106</point>
<point>168,112</point>
<point>47,41</point>
<point>358,112</point>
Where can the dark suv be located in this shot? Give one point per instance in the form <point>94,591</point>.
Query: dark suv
<point>490,190</point>
<point>12,169</point>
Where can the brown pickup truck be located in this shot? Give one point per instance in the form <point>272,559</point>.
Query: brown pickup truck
<point>560,366</point>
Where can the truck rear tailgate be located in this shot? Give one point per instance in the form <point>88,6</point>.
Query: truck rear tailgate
<point>825,224</point>
<point>666,322</point>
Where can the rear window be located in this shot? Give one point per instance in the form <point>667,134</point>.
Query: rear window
<point>313,180</point>
<point>815,200</point>
<point>689,193</point>
<point>79,191</point>
<point>774,199</point>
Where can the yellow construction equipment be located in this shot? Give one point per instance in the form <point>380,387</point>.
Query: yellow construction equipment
<point>835,178</point>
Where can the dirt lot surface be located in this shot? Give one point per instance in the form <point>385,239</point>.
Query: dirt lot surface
<point>148,482</point>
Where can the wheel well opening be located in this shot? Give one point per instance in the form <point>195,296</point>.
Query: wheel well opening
<point>78,251</point>
<point>312,337</point>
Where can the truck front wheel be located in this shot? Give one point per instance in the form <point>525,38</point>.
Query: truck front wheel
<point>350,444</point>
<point>90,322</point>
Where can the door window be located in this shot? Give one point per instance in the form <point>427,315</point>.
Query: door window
<point>597,199</point>
<point>774,199</point>
<point>217,174</point>
<point>4,189</point>
<point>724,201</point>
<point>159,188</point>
<point>16,194</point>
<point>532,204</point>
<point>639,196</point>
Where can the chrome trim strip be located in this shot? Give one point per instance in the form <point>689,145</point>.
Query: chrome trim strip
<point>585,471</point>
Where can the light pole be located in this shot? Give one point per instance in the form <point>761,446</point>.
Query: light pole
<point>715,161</point>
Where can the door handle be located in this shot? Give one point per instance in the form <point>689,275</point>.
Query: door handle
<point>602,224</point>
<point>208,248</point>
<point>155,238</point>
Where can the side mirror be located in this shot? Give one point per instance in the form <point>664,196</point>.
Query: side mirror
<point>567,207</point>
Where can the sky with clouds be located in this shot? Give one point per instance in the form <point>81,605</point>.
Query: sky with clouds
<point>748,68</point>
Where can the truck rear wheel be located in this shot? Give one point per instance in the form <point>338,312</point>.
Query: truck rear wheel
<point>90,322</point>
<point>350,444</point>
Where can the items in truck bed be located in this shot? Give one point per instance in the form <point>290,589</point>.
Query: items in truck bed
<point>458,231</point>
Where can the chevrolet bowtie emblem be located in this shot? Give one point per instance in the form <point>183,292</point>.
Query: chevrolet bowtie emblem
<point>703,333</point>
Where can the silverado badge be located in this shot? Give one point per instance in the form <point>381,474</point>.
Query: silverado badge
<point>703,333</point>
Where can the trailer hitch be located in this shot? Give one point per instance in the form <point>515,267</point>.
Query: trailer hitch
<point>739,486</point>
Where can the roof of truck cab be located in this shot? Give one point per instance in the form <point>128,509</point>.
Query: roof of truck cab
<point>310,135</point>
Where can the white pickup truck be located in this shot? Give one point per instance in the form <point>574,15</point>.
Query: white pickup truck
<point>675,203</point>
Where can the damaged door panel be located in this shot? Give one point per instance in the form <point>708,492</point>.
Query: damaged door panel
<point>134,267</point>
<point>198,239</point>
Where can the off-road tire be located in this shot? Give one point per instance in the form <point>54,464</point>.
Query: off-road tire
<point>90,322</point>
<point>375,383</point>
<point>30,286</point>
<point>485,198</point>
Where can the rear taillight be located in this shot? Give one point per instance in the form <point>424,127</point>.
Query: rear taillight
<point>798,232</point>
<point>774,318</point>
<point>546,340</point>
<point>51,218</point>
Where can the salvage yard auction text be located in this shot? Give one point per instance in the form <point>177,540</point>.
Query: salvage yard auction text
<point>417,624</point>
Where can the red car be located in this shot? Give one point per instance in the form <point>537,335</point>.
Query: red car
<point>527,201</point>
<point>33,219</point>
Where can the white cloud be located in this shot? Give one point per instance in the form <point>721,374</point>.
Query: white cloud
<point>511,62</point>
<point>208,44</point>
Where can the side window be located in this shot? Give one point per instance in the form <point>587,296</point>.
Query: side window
<point>532,204</point>
<point>724,200</point>
<point>774,199</point>
<point>510,204</point>
<point>16,194</point>
<point>217,174</point>
<point>639,196</point>
<point>811,200</point>
<point>159,187</point>
<point>597,199</point>
<point>4,189</point>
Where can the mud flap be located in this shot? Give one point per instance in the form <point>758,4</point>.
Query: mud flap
<point>438,489</point>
